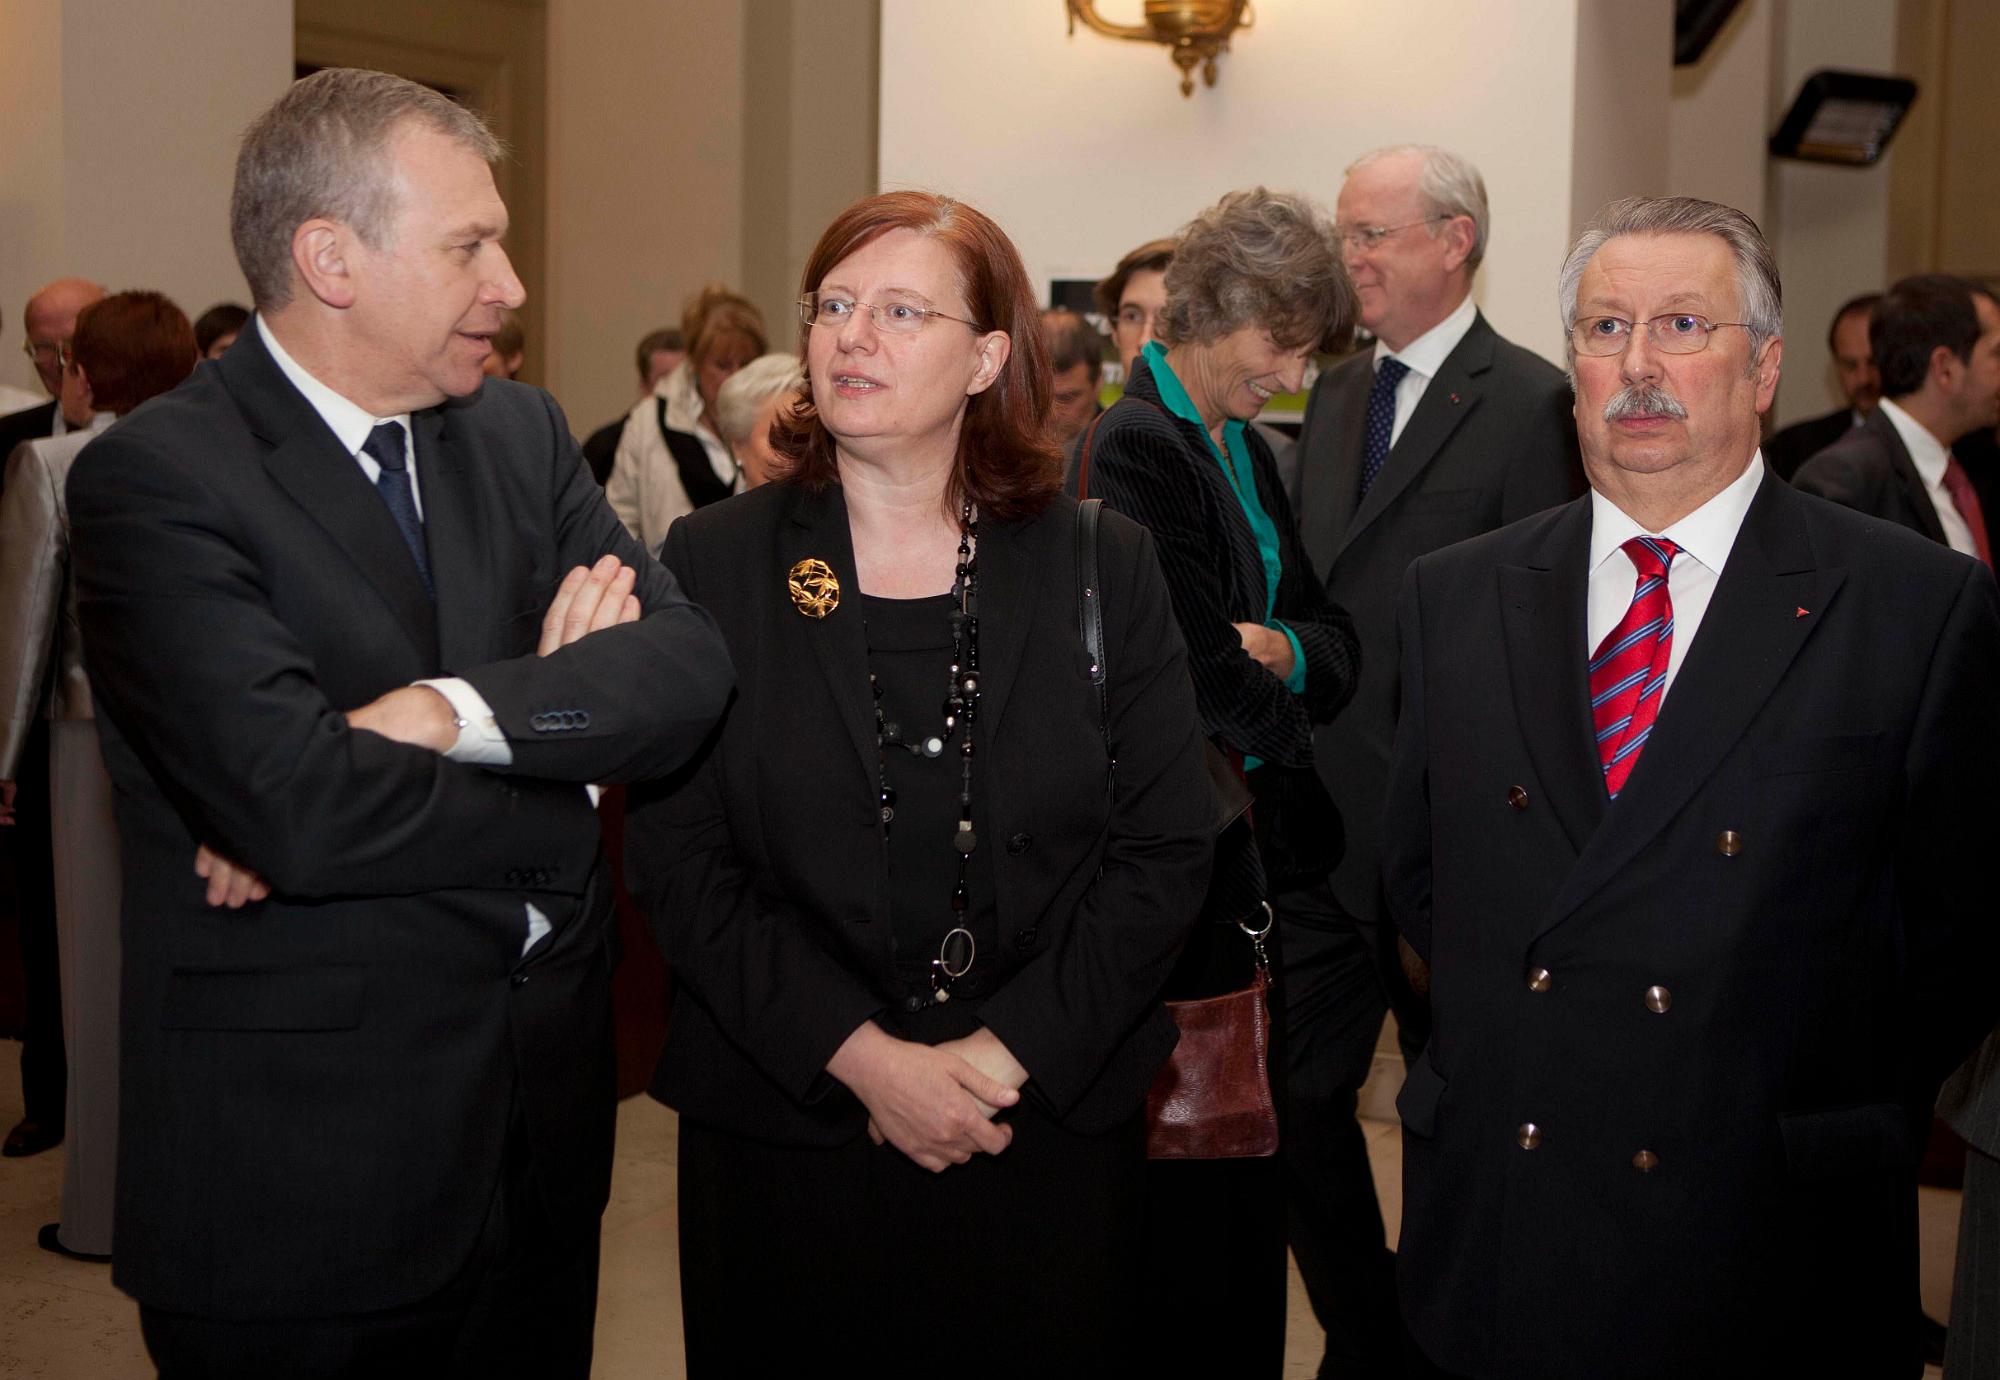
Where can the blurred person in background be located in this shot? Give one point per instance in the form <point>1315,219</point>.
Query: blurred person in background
<point>1132,297</point>
<point>127,348</point>
<point>1860,384</point>
<point>510,348</point>
<point>747,404</point>
<point>216,329</point>
<point>671,460</point>
<point>660,353</point>
<point>1076,362</point>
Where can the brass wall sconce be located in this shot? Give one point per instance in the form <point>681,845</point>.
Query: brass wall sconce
<point>1195,30</point>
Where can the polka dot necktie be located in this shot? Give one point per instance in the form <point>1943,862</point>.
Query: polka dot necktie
<point>1381,420</point>
<point>1628,674</point>
<point>385,444</point>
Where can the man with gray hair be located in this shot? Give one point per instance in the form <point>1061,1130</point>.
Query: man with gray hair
<point>1689,798</point>
<point>1441,431</point>
<point>360,628</point>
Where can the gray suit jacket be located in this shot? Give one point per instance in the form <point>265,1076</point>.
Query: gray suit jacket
<point>1491,441</point>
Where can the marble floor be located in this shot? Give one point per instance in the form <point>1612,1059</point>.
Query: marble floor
<point>61,1320</point>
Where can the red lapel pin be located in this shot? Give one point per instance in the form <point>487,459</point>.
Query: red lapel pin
<point>1801,613</point>
<point>1454,397</point>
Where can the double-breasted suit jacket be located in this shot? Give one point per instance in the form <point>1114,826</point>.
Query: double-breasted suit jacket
<point>765,870</point>
<point>1687,1041</point>
<point>317,1089</point>
<point>1490,442</point>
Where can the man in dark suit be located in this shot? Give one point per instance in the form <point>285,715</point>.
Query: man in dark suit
<point>366,1119</point>
<point>50,321</point>
<point>1703,911</point>
<point>1937,345</point>
<point>1440,432</point>
<point>1860,383</point>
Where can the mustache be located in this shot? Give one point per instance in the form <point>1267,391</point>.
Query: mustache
<point>1644,400</point>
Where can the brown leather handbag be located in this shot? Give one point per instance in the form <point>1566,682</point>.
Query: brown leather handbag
<point>1212,1099</point>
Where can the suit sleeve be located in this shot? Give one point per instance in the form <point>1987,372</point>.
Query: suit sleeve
<point>220,700</point>
<point>748,957</point>
<point>651,689</point>
<point>1146,474</point>
<point>1837,475</point>
<point>1067,1010</point>
<point>1949,821</point>
<point>1406,814</point>
<point>31,584</point>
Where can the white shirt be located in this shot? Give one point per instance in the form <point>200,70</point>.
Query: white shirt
<point>1930,456</point>
<point>480,740</point>
<point>1424,356</point>
<point>1705,538</point>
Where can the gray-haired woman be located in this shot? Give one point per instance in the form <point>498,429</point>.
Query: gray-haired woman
<point>1254,289</point>
<point>747,404</point>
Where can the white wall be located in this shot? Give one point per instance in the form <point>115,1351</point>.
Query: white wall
<point>1084,147</point>
<point>1723,109</point>
<point>121,122</point>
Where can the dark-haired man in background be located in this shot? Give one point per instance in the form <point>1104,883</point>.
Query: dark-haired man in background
<point>1860,384</point>
<point>1076,358</point>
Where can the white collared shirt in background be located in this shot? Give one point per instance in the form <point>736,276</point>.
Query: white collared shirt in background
<point>1705,538</point>
<point>1424,356</point>
<point>1930,456</point>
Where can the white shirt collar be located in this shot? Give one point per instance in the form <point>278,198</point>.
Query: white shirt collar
<point>1427,353</point>
<point>1929,454</point>
<point>1708,534</point>
<point>349,422</point>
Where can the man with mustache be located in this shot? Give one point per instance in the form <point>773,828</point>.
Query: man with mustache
<point>360,629</point>
<point>1688,787</point>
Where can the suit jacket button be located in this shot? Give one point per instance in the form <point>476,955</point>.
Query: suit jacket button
<point>1019,844</point>
<point>1729,843</point>
<point>583,718</point>
<point>539,722</point>
<point>1658,999</point>
<point>1540,979</point>
<point>1517,797</point>
<point>513,876</point>
<point>1528,1136</point>
<point>1025,940</point>
<point>1645,1161</point>
<point>518,980</point>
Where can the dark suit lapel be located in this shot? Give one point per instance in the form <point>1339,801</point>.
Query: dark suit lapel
<point>1329,476</point>
<point>1749,637</point>
<point>460,564</point>
<point>1448,400</point>
<point>308,462</point>
<point>1918,497</point>
<point>818,530</point>
<point>1543,622</point>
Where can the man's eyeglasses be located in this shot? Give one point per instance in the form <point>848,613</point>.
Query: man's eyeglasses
<point>57,351</point>
<point>1368,236</point>
<point>1677,333</point>
<point>895,318</point>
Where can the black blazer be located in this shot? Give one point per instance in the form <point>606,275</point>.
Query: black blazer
<point>316,1090</point>
<point>1157,469</point>
<point>1491,441</point>
<point>29,424</point>
<point>1794,863</point>
<point>1870,470</point>
<point>764,871</point>
<point>1790,448</point>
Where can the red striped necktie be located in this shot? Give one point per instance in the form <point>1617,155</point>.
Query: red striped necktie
<point>1628,672</point>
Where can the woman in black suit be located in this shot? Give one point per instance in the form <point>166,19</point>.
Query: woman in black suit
<point>1254,288</point>
<point>918,923</point>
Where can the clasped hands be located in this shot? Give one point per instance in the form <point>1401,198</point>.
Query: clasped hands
<point>590,599</point>
<point>935,1103</point>
<point>1268,647</point>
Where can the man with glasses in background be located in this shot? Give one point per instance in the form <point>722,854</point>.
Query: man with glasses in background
<point>50,320</point>
<point>1441,431</point>
<point>1687,816</point>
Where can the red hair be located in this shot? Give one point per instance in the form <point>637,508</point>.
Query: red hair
<point>1007,463</point>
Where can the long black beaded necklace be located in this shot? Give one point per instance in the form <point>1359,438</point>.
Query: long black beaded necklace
<point>961,707</point>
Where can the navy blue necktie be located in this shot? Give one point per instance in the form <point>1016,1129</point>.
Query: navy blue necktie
<point>1381,420</point>
<point>386,444</point>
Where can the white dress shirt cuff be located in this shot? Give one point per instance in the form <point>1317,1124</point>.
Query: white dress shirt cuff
<point>480,741</point>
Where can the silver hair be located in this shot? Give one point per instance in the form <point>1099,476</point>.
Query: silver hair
<point>319,151</point>
<point>1259,258</point>
<point>1449,185</point>
<point>1760,295</point>
<point>749,388</point>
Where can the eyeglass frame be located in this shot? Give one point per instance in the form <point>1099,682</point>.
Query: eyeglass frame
<point>1368,236</point>
<point>63,350</point>
<point>1651,323</point>
<point>809,310</point>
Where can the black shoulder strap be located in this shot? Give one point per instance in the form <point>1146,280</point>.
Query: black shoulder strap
<point>1090,606</point>
<point>698,477</point>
